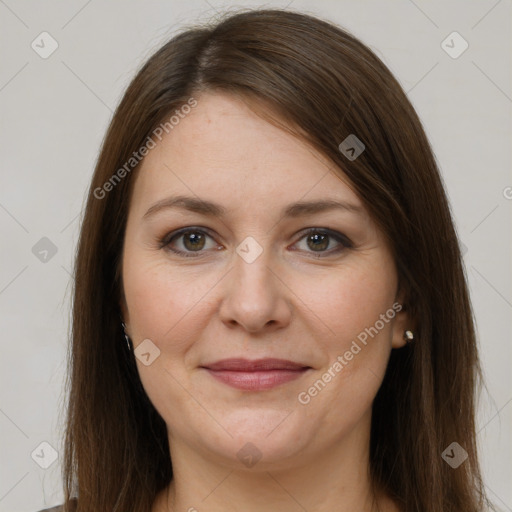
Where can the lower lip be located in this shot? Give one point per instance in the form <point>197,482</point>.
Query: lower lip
<point>258,380</point>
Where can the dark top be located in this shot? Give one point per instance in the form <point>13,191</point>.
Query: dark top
<point>60,508</point>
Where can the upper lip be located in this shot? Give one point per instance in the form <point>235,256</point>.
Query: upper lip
<point>246,365</point>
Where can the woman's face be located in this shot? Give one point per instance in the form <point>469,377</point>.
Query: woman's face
<point>258,313</point>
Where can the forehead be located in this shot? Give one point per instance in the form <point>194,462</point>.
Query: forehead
<point>224,150</point>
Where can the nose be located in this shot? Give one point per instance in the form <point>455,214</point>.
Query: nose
<point>255,297</point>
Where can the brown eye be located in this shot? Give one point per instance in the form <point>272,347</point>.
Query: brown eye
<point>193,241</point>
<point>188,241</point>
<point>318,242</point>
<point>324,242</point>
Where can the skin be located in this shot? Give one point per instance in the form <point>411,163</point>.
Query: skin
<point>295,301</point>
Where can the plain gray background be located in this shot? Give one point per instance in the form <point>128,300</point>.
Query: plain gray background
<point>55,111</point>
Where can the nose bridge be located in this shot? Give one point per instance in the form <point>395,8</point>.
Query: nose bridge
<point>252,273</point>
<point>254,297</point>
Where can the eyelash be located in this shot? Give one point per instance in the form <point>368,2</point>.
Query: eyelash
<point>165,243</point>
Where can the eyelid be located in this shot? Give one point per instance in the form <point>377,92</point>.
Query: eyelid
<point>164,243</point>
<point>174,234</point>
<point>342,239</point>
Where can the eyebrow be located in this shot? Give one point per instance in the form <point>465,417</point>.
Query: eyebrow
<point>212,209</point>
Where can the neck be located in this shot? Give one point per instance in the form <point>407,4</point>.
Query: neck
<point>337,479</point>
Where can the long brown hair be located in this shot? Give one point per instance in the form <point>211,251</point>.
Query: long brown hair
<point>320,82</point>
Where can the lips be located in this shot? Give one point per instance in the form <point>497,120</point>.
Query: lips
<point>245,365</point>
<point>255,375</point>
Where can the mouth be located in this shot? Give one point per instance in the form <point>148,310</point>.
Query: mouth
<point>255,375</point>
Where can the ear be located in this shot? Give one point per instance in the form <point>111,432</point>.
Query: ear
<point>402,322</point>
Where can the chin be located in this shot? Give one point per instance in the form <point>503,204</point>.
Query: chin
<point>262,439</point>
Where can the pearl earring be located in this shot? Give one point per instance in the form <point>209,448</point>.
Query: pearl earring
<point>408,336</point>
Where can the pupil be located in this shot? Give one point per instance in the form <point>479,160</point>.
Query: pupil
<point>194,240</point>
<point>321,239</point>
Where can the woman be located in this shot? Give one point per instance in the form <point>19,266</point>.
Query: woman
<point>270,308</point>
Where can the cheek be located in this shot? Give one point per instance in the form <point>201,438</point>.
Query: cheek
<point>165,304</point>
<point>357,346</point>
<point>354,338</point>
<point>349,300</point>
